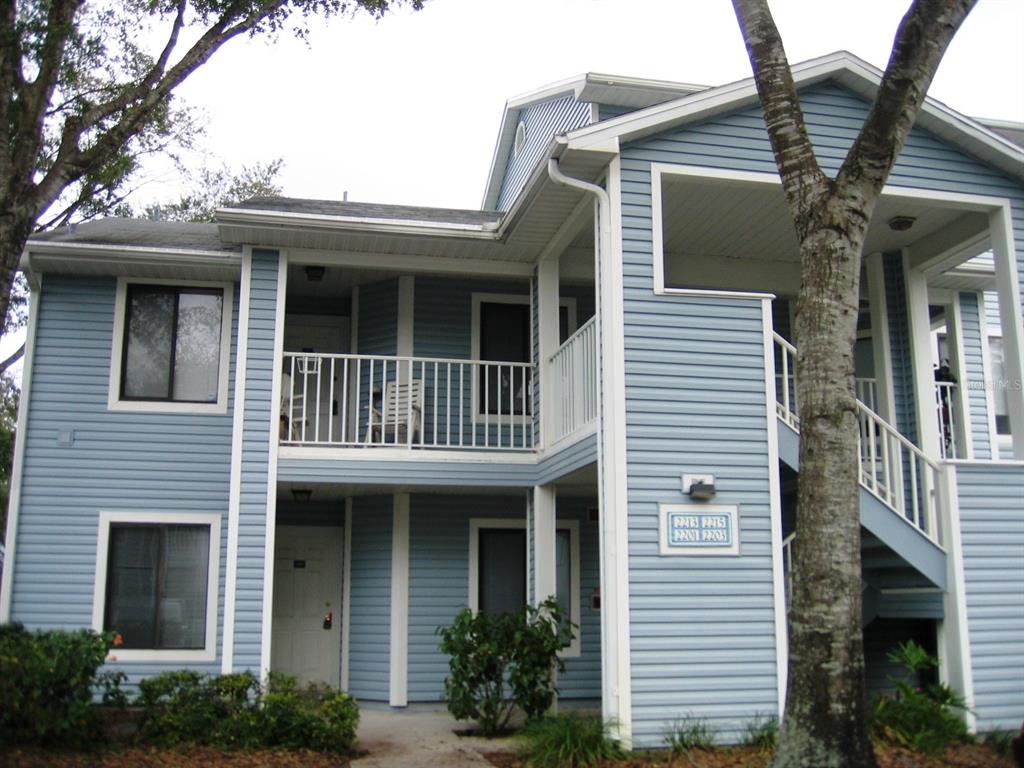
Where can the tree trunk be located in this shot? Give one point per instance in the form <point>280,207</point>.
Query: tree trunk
<point>826,707</point>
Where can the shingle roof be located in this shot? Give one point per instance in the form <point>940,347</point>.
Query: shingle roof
<point>370,210</point>
<point>140,233</point>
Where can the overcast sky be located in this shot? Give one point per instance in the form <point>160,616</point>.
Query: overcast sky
<point>406,110</point>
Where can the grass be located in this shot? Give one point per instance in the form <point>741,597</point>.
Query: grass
<point>567,741</point>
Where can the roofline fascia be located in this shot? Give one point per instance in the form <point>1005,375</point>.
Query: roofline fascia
<point>256,217</point>
<point>637,124</point>
<point>129,254</point>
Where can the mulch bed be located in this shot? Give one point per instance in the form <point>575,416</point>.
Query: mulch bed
<point>184,757</point>
<point>963,756</point>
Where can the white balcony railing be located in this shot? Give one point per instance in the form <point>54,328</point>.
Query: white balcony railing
<point>890,466</point>
<point>574,368</point>
<point>413,402</point>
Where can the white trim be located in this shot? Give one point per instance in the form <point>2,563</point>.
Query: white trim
<point>615,499</point>
<point>546,294</point>
<point>986,374</point>
<point>129,254</point>
<point>277,220</point>
<point>966,436</point>
<point>956,668</point>
<point>235,489</point>
<point>406,312</point>
<point>919,325</point>
<point>346,596</point>
<point>213,520</point>
<point>398,695</point>
<point>775,506</point>
<point>114,401</point>
<point>573,650</point>
<point>881,342</point>
<point>378,454</point>
<point>269,536</point>
<point>14,505</point>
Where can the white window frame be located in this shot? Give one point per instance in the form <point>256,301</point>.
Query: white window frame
<point>211,519</point>
<point>572,526</point>
<point>114,401</point>
<point>506,298</point>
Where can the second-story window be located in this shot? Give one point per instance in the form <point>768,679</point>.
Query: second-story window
<point>172,344</point>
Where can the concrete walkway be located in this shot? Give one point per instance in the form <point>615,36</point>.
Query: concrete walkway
<point>420,740</point>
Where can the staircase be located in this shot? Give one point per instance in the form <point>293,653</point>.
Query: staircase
<point>899,505</point>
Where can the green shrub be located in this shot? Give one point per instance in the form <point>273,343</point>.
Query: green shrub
<point>923,718</point>
<point>47,683</point>
<point>761,732</point>
<point>1000,742</point>
<point>567,740</point>
<point>487,653</point>
<point>234,712</point>
<point>687,734</point>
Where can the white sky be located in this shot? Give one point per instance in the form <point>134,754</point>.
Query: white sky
<point>406,110</point>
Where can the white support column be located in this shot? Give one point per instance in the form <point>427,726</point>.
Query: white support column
<point>881,346</point>
<point>955,668</point>
<point>961,404</point>
<point>398,696</point>
<point>547,332</point>
<point>543,543</point>
<point>346,596</point>
<point>921,358</point>
<point>406,298</point>
<point>1009,289</point>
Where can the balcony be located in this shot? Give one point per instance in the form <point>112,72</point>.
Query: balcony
<point>381,401</point>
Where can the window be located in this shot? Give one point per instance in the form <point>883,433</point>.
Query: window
<point>502,332</point>
<point>498,568</point>
<point>520,140</point>
<point>170,347</point>
<point>156,584</point>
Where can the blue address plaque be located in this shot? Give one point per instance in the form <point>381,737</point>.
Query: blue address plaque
<point>699,529</point>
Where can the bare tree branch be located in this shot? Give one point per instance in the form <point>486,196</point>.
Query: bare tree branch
<point>13,358</point>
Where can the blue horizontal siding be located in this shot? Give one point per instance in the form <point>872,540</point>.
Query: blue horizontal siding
<point>975,345</point>
<point>439,586</point>
<point>255,458</point>
<point>139,462</point>
<point>370,598</point>
<point>992,531</point>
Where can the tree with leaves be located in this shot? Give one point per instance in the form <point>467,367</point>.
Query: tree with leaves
<point>219,188</point>
<point>826,718</point>
<point>84,98</point>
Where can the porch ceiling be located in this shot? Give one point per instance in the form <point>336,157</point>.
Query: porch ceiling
<point>731,219</point>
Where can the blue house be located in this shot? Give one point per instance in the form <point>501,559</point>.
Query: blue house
<point>304,437</point>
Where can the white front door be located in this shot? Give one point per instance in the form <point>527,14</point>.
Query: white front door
<point>307,603</point>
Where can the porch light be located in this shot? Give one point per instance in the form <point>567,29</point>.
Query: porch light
<point>315,273</point>
<point>302,494</point>
<point>901,223</point>
<point>702,490</point>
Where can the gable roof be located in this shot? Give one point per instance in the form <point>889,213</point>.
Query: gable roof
<point>842,67</point>
<point>590,87</point>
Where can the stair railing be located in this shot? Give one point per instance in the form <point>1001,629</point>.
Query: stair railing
<point>891,467</point>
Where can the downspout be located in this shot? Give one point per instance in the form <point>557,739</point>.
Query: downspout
<point>613,688</point>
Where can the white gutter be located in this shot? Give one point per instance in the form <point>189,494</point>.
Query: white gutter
<point>615,676</point>
<point>132,254</point>
<point>275,219</point>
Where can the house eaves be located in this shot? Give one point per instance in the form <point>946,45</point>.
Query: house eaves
<point>842,67</point>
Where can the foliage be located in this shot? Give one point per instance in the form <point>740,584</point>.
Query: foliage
<point>567,740</point>
<point>923,718</point>
<point>761,732</point>
<point>9,397</point>
<point>1000,742</point>
<point>47,682</point>
<point>487,652</point>
<point>234,712</point>
<point>218,188</point>
<point>687,734</point>
<point>87,90</point>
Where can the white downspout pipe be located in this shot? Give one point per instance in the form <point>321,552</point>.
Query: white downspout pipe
<point>614,689</point>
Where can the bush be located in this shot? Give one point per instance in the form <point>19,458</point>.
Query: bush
<point>567,740</point>
<point>519,649</point>
<point>47,683</point>
<point>687,734</point>
<point>923,718</point>
<point>234,712</point>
